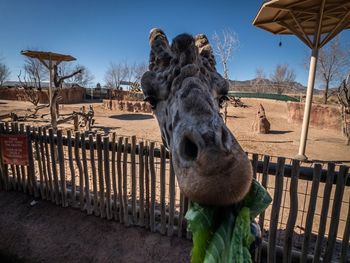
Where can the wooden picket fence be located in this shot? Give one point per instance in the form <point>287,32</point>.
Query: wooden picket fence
<point>133,182</point>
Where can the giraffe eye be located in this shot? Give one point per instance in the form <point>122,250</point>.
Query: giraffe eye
<point>222,100</point>
<point>152,101</point>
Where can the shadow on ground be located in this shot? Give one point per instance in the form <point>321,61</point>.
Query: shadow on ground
<point>132,117</point>
<point>279,132</point>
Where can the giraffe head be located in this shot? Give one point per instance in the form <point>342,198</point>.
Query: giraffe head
<point>185,93</point>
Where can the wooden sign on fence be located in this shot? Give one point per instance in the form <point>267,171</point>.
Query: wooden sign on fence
<point>14,149</point>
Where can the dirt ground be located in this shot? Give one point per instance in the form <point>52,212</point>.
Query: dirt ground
<point>48,233</point>
<point>323,144</point>
<point>40,235</point>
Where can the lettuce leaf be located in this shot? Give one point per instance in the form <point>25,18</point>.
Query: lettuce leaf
<point>223,234</point>
<point>218,248</point>
<point>200,222</point>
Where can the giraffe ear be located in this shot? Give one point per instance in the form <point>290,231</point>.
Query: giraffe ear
<point>160,55</point>
<point>205,50</point>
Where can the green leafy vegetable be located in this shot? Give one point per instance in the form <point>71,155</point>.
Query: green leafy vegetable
<point>257,200</point>
<point>200,223</point>
<point>241,238</point>
<point>217,250</point>
<point>222,234</point>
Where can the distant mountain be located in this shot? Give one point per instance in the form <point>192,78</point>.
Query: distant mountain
<point>267,86</point>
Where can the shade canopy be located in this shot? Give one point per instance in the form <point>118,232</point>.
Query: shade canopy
<point>47,55</point>
<point>305,19</point>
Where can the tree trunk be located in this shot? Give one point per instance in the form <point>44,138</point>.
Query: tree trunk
<point>325,96</point>
<point>225,70</point>
<point>54,110</point>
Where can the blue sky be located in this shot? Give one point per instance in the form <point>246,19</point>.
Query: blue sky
<point>100,32</point>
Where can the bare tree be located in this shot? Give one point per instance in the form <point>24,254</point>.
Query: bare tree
<point>333,61</point>
<point>283,77</point>
<point>28,90</point>
<point>4,73</point>
<point>344,100</point>
<point>34,73</point>
<point>115,74</point>
<point>259,83</point>
<point>84,79</point>
<point>139,70</point>
<point>224,45</point>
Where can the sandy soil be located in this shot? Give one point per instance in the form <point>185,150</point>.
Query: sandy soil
<point>283,140</point>
<point>48,233</point>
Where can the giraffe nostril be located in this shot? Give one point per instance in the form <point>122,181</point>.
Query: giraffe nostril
<point>188,149</point>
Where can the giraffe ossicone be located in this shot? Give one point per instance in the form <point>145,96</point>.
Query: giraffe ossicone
<point>186,92</point>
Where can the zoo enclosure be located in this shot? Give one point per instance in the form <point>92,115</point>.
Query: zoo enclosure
<point>133,182</point>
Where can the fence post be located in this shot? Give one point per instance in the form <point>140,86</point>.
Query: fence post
<point>48,160</point>
<point>80,170</point>
<point>100,175</point>
<point>255,158</point>
<point>120,177</point>
<point>62,169</point>
<point>162,189</point>
<point>107,177</point>
<point>133,179</point>
<point>153,186</point>
<point>264,182</point>
<point>114,179</point>
<point>125,182</point>
<point>31,171</point>
<point>86,175</point>
<point>324,213</point>
<point>147,206</point>
<point>94,176</point>
<point>54,167</point>
<point>142,187</point>
<point>39,162</point>
<point>345,242</point>
<point>15,168</point>
<point>333,228</point>
<point>17,178</point>
<point>271,252</point>
<point>293,193</point>
<point>43,161</point>
<point>71,168</point>
<point>311,211</point>
<point>23,168</point>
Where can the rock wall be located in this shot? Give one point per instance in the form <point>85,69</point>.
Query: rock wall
<point>69,95</point>
<point>322,116</point>
<point>129,106</point>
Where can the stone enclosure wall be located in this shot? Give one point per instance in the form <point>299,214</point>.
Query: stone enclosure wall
<point>69,95</point>
<point>322,116</point>
<point>130,106</point>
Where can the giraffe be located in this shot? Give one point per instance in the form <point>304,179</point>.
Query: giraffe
<point>185,93</point>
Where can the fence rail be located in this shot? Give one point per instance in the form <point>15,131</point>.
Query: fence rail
<point>133,182</point>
